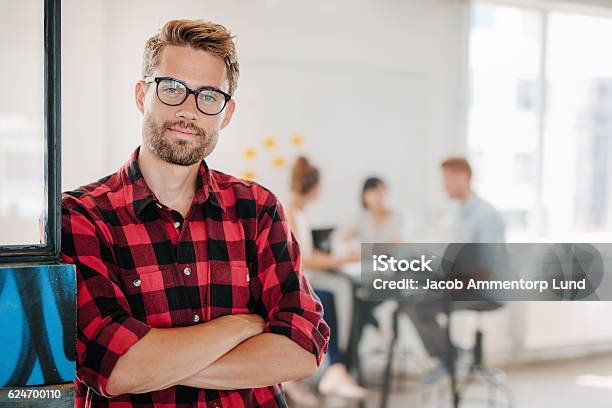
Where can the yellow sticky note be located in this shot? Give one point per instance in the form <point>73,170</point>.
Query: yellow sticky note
<point>249,175</point>
<point>279,161</point>
<point>297,140</point>
<point>249,154</point>
<point>269,142</point>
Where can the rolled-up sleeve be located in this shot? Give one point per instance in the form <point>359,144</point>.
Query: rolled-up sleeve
<point>105,328</point>
<point>290,305</point>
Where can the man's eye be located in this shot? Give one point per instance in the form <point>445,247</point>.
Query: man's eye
<point>208,97</point>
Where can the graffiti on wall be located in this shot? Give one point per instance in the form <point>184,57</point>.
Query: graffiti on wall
<point>37,324</point>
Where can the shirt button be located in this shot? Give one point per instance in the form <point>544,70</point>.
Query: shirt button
<point>187,271</point>
<point>177,224</point>
<point>137,282</point>
<point>196,318</point>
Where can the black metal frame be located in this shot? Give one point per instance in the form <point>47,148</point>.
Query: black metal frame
<point>50,251</point>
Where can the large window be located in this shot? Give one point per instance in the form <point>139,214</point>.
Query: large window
<point>29,130</point>
<point>540,120</point>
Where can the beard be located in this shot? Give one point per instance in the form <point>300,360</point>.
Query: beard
<point>175,150</point>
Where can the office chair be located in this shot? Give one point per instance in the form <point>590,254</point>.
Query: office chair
<point>479,261</point>
<point>464,262</point>
<point>479,372</point>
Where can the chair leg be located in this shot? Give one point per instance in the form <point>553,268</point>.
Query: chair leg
<point>388,368</point>
<point>478,352</point>
<point>492,378</point>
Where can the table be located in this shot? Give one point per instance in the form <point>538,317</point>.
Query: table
<point>352,272</point>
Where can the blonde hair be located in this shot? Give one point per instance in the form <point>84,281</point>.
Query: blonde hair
<point>304,176</point>
<point>199,34</point>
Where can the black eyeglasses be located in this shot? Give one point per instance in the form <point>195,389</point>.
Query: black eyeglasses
<point>173,92</point>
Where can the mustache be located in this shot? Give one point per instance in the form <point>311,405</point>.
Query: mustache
<point>184,125</point>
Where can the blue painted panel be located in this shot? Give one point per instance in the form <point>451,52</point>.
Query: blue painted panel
<point>37,324</point>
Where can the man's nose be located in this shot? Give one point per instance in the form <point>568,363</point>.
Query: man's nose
<point>188,110</point>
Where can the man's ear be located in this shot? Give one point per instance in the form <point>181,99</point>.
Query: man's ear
<point>229,111</point>
<point>139,94</point>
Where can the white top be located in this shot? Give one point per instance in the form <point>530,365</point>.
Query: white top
<point>302,231</point>
<point>303,235</point>
<point>368,231</point>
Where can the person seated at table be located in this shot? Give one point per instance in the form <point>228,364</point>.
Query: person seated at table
<point>477,222</point>
<point>336,380</point>
<point>375,223</point>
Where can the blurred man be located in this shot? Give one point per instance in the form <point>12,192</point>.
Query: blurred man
<point>190,285</point>
<point>478,221</point>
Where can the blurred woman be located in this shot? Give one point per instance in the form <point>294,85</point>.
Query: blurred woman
<point>376,222</point>
<point>336,379</point>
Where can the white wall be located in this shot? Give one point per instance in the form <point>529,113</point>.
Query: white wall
<point>85,92</point>
<point>409,51</point>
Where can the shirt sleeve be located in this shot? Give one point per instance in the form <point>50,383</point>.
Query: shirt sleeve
<point>290,306</point>
<point>491,227</point>
<point>105,328</point>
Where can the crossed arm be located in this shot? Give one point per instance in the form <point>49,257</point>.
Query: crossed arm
<point>118,354</point>
<point>231,352</point>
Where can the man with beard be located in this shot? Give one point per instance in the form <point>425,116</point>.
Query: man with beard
<point>190,287</point>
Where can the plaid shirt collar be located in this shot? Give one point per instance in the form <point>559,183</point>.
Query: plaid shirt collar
<point>139,196</point>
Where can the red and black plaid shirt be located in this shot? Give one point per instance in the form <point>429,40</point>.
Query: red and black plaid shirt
<point>141,264</point>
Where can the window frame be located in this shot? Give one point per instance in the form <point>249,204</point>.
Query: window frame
<point>544,8</point>
<point>50,251</point>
